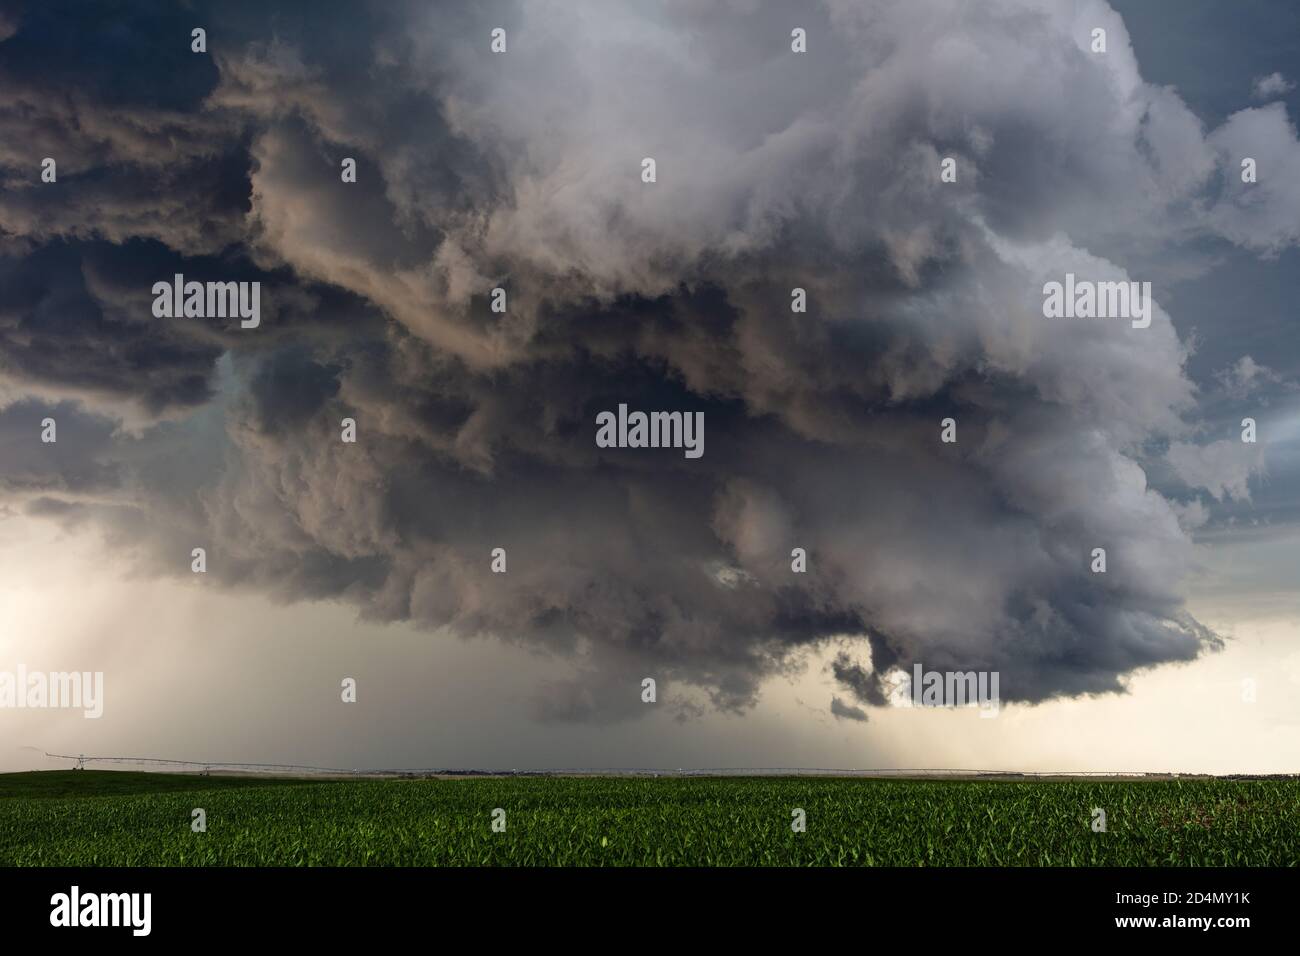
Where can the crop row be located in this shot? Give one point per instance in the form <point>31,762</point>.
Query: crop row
<point>669,821</point>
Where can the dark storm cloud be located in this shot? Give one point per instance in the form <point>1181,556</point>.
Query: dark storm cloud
<point>79,463</point>
<point>61,328</point>
<point>290,388</point>
<point>475,428</point>
<point>847,711</point>
<point>863,683</point>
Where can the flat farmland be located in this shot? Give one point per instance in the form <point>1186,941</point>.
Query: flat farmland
<point>90,818</point>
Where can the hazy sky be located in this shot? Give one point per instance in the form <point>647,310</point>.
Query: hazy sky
<point>522,170</point>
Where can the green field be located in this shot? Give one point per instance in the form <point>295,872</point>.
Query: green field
<point>89,818</point>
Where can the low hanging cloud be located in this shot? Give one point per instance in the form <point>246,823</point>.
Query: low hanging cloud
<point>521,171</point>
<point>847,711</point>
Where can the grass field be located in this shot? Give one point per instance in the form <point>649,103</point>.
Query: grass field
<point>86,818</point>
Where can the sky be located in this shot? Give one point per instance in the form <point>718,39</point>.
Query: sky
<point>503,268</point>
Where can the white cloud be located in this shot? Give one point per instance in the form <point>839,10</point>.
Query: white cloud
<point>1275,84</point>
<point>1223,468</point>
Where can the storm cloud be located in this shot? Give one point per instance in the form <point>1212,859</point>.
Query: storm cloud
<point>522,171</point>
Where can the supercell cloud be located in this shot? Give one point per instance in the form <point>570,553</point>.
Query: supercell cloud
<point>476,428</point>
